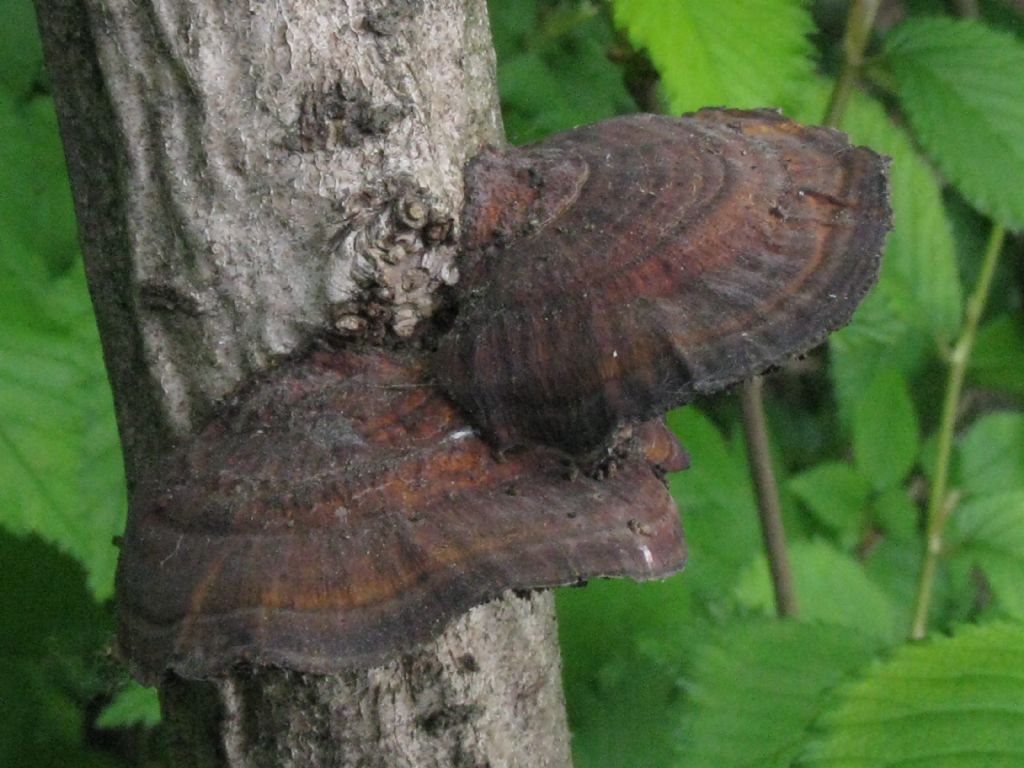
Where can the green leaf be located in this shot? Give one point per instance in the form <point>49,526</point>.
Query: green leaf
<point>23,285</point>
<point>837,496</point>
<point>43,724</point>
<point>880,338</point>
<point>751,54</point>
<point>655,609</point>
<point>758,689</point>
<point>998,356</point>
<point>21,56</point>
<point>52,632</point>
<point>627,720</point>
<point>36,204</point>
<point>992,454</point>
<point>960,85</point>
<point>831,588</point>
<point>621,692</point>
<point>885,431</point>
<point>46,609</point>
<point>990,532</point>
<point>951,703</point>
<point>512,25</point>
<point>61,474</point>
<point>896,513</point>
<point>134,705</point>
<point>716,501</point>
<point>553,68</point>
<point>894,565</point>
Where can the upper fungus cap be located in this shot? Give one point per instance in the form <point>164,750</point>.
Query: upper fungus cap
<point>612,272</point>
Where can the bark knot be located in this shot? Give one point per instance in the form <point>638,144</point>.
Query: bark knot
<point>393,256</point>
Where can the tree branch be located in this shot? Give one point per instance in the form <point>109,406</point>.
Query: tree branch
<point>768,507</point>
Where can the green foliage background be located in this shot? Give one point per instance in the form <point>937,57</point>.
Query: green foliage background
<point>693,671</point>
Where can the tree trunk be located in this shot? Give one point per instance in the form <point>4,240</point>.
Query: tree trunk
<point>246,177</point>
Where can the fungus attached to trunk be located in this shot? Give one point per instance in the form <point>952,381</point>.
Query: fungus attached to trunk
<point>614,271</point>
<point>342,510</point>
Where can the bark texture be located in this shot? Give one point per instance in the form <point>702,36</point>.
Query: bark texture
<point>454,705</point>
<point>248,176</point>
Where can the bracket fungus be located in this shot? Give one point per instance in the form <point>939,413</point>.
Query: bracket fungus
<point>614,271</point>
<point>343,509</point>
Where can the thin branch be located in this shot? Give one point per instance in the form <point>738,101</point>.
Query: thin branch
<point>858,31</point>
<point>859,23</point>
<point>768,508</point>
<point>940,501</point>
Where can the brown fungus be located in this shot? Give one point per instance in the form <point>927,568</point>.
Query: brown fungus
<point>344,511</point>
<point>614,271</point>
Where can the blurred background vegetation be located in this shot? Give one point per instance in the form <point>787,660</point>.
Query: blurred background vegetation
<point>908,427</point>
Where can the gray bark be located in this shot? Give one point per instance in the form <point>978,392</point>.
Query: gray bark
<point>247,176</point>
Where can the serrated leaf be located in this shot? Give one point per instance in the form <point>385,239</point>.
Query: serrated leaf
<point>134,705</point>
<point>951,703</point>
<point>60,461</point>
<point>959,83</point>
<point>831,588</point>
<point>751,54</point>
<point>837,496</point>
<point>756,691</point>
<point>989,532</point>
<point>885,431</point>
<point>992,454</point>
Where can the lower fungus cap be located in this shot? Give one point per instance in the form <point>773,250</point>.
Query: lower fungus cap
<point>344,512</point>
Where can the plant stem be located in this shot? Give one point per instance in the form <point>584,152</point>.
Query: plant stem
<point>859,23</point>
<point>858,30</point>
<point>768,508</point>
<point>940,502</point>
